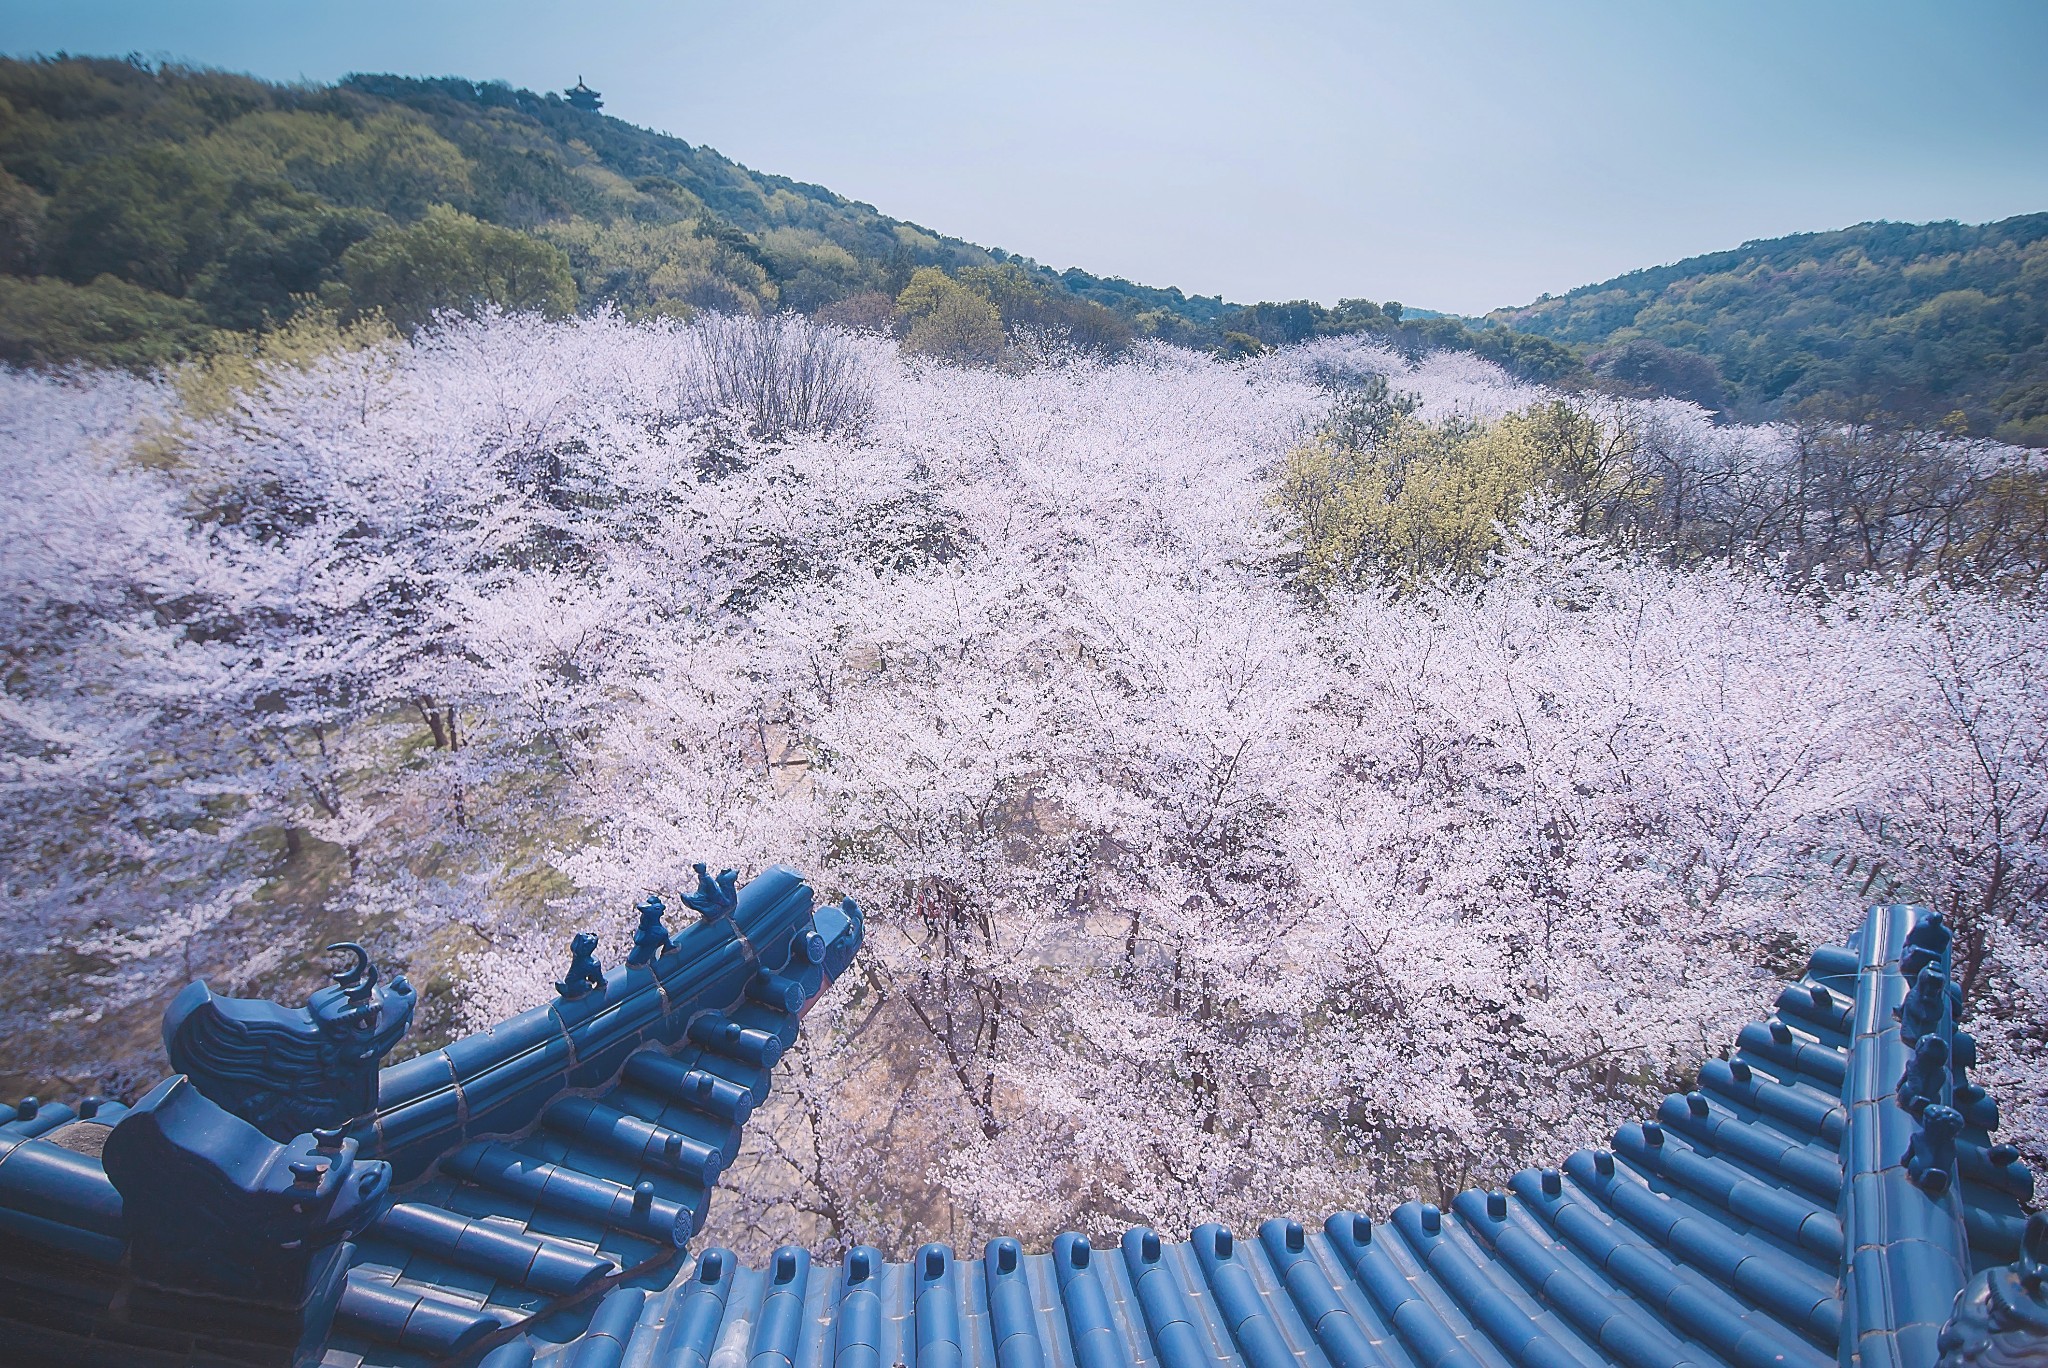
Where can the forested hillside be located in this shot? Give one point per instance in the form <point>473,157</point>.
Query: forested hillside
<point>148,214</point>
<point>144,209</point>
<point>1924,320</point>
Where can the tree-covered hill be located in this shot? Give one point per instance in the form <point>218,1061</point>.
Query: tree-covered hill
<point>1920,319</point>
<point>140,207</point>
<point>151,212</point>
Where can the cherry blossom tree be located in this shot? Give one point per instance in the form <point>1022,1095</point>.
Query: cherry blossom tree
<point>1193,895</point>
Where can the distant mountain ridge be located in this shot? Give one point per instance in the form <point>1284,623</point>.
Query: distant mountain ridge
<point>150,213</point>
<point>147,213</point>
<point>1925,320</point>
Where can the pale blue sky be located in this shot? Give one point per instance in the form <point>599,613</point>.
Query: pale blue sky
<point>1455,156</point>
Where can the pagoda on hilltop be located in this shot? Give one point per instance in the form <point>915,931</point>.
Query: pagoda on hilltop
<point>584,98</point>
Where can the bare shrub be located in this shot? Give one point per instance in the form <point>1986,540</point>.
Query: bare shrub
<point>872,311</point>
<point>782,374</point>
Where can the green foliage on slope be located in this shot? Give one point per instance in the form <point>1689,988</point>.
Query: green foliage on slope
<point>145,210</point>
<point>1919,319</point>
<point>151,213</point>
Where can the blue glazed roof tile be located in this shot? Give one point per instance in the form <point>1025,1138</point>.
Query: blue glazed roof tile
<point>1765,1218</point>
<point>552,1171</point>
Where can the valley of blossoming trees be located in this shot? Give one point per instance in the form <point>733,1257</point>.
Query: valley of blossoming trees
<point>1194,894</point>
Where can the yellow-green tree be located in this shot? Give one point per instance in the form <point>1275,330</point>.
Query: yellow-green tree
<point>940,317</point>
<point>1423,498</point>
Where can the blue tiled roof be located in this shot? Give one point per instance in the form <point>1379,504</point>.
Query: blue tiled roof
<point>1820,1196</point>
<point>551,1190</point>
<point>534,1165</point>
<point>1764,1218</point>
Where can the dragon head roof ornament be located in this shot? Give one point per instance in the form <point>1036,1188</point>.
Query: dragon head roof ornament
<point>288,1071</point>
<point>2001,1317</point>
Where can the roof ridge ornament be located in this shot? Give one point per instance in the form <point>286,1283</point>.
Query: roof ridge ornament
<point>285,1070</point>
<point>715,896</point>
<point>586,975</point>
<point>650,938</point>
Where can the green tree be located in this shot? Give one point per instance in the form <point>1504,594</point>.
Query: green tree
<point>940,317</point>
<point>153,218</point>
<point>108,322</point>
<point>449,260</point>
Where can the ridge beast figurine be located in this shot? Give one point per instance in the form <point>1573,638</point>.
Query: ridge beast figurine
<point>217,1210</point>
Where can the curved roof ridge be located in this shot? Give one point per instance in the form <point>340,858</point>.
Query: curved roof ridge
<point>1822,1194</point>
<point>1775,1213</point>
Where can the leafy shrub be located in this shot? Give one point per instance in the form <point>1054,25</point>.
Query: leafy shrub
<point>46,322</point>
<point>451,261</point>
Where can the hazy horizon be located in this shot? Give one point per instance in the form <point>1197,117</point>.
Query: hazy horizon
<point>1456,159</point>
